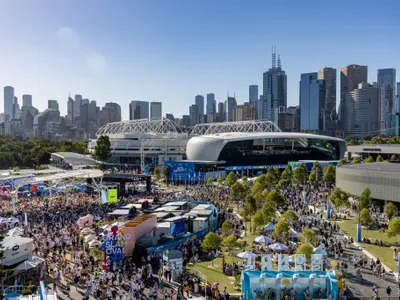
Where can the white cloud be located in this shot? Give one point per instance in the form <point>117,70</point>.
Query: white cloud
<point>96,63</point>
<point>68,38</point>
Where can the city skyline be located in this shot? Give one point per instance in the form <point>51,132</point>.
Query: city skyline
<point>136,58</point>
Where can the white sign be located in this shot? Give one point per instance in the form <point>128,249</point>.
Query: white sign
<point>283,262</point>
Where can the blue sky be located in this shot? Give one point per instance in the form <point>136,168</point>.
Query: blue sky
<point>172,50</point>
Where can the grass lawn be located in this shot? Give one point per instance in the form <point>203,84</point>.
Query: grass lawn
<point>385,254</point>
<point>215,274</point>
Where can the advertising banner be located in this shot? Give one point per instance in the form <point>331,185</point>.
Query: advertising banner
<point>112,196</point>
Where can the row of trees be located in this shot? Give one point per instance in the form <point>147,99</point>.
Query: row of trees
<point>370,159</point>
<point>18,152</point>
<point>375,140</point>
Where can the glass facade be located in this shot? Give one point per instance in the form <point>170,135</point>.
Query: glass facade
<point>279,151</point>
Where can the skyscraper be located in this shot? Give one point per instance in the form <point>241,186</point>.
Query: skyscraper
<point>230,105</point>
<point>387,82</point>
<point>362,115</point>
<point>52,104</point>
<point>111,112</point>
<point>274,90</point>
<point>398,98</point>
<point>350,77</point>
<point>312,103</point>
<point>155,110</point>
<point>199,101</point>
<point>253,94</point>
<point>27,100</point>
<point>15,109</point>
<point>193,115</point>
<point>70,111</point>
<point>329,109</point>
<point>139,110</point>
<point>211,104</point>
<point>8,100</point>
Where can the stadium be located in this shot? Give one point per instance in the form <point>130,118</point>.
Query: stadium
<point>147,143</point>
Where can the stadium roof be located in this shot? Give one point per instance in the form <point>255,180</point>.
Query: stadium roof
<point>78,174</point>
<point>75,158</point>
<point>375,148</point>
<point>378,166</point>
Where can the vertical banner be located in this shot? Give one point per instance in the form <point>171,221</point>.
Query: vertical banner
<point>112,195</point>
<point>26,219</point>
<point>398,262</point>
<point>328,210</point>
<point>316,262</point>
<point>358,234</point>
<point>300,260</point>
<point>304,196</point>
<point>103,196</point>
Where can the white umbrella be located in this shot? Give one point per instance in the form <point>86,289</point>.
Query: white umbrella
<point>278,247</point>
<point>247,254</point>
<point>90,237</point>
<point>94,243</point>
<point>320,250</point>
<point>263,239</point>
<point>86,231</point>
<point>15,232</point>
<point>36,260</point>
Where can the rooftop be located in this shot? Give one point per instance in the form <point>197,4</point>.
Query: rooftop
<point>74,158</point>
<point>378,166</point>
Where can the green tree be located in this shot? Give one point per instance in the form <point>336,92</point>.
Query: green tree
<point>231,242</point>
<point>306,249</point>
<point>365,199</point>
<point>330,174</point>
<point>290,216</point>
<point>316,173</point>
<point>258,219</point>
<point>281,229</point>
<point>220,180</point>
<point>365,217</point>
<point>352,142</point>
<point>379,158</point>
<point>245,180</point>
<point>393,228</point>
<point>393,158</point>
<point>226,228</point>
<point>273,175</point>
<point>165,172</point>
<point>231,179</point>
<point>283,183</point>
<point>308,236</point>
<point>211,242</point>
<point>368,160</point>
<point>300,174</point>
<point>343,161</point>
<point>287,174</point>
<point>276,199</point>
<point>237,192</point>
<point>156,174</point>
<point>391,210</point>
<point>251,204</point>
<point>210,181</point>
<point>102,149</point>
<point>339,198</point>
<point>378,140</point>
<point>269,212</point>
<point>355,160</point>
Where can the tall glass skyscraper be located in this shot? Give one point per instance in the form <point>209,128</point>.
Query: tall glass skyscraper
<point>211,104</point>
<point>274,91</point>
<point>8,100</point>
<point>199,101</point>
<point>312,103</point>
<point>387,83</point>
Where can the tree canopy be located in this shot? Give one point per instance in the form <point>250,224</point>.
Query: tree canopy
<point>368,160</point>
<point>393,228</point>
<point>281,229</point>
<point>330,174</point>
<point>339,198</point>
<point>102,149</point>
<point>306,249</point>
<point>308,236</point>
<point>231,179</point>
<point>300,174</point>
<point>226,228</point>
<point>290,216</point>
<point>231,242</point>
<point>211,241</point>
<point>365,217</point>
<point>316,173</point>
<point>379,158</point>
<point>391,210</point>
<point>157,174</point>
<point>210,181</point>
<point>287,173</point>
<point>365,199</point>
<point>275,198</point>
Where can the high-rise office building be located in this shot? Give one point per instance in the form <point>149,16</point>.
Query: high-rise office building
<point>230,105</point>
<point>350,77</point>
<point>387,82</point>
<point>8,100</point>
<point>110,113</point>
<point>398,98</point>
<point>362,115</point>
<point>193,115</point>
<point>70,111</point>
<point>16,110</point>
<point>244,112</point>
<point>253,94</point>
<point>85,101</point>
<point>199,101</point>
<point>77,107</point>
<point>138,110</point>
<point>312,103</point>
<point>155,110</point>
<point>27,100</point>
<point>52,104</point>
<point>274,90</point>
<point>211,104</point>
<point>329,109</point>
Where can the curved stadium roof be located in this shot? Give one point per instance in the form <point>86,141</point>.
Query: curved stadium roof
<point>75,158</point>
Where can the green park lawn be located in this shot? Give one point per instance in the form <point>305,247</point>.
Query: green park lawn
<point>385,254</point>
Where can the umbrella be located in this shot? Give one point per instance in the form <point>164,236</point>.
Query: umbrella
<point>278,247</point>
<point>320,250</point>
<point>15,232</point>
<point>36,260</point>
<point>86,231</point>
<point>263,239</point>
<point>94,243</point>
<point>269,227</point>
<point>247,254</point>
<point>293,234</point>
<point>90,237</point>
